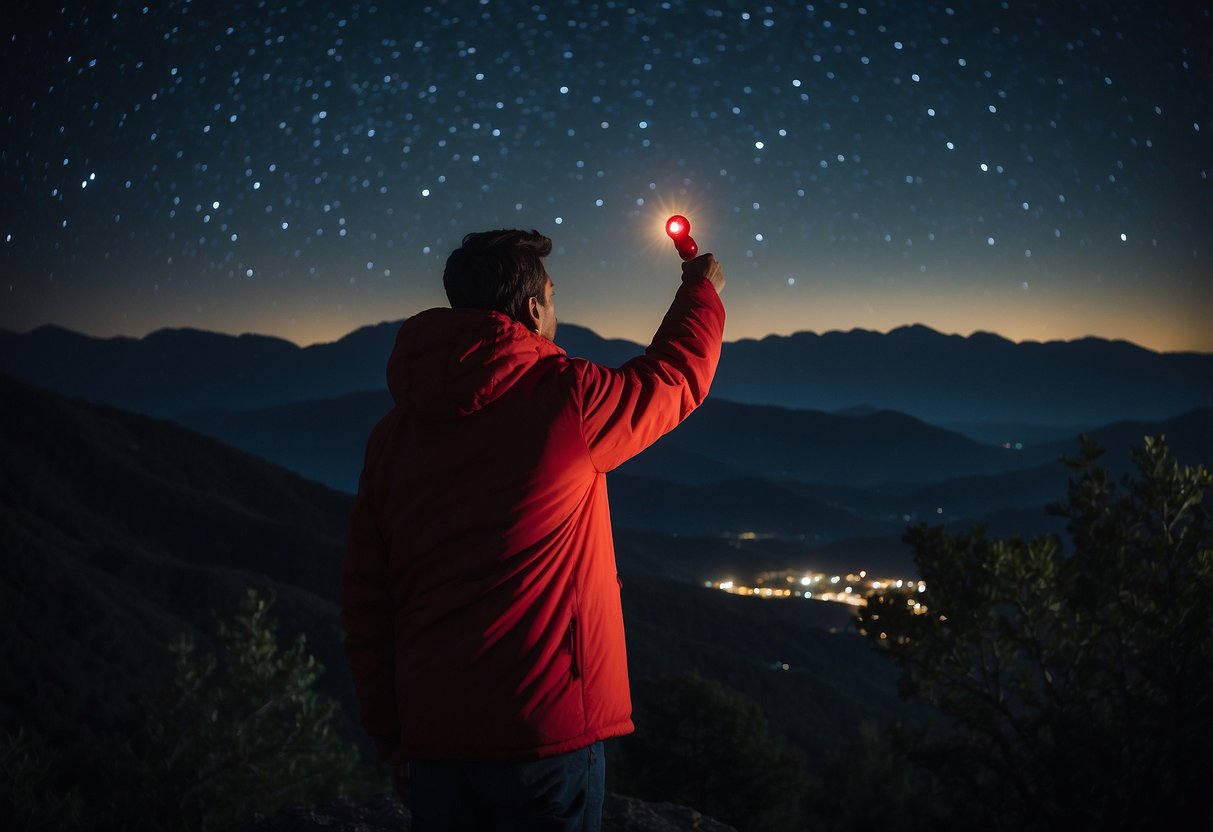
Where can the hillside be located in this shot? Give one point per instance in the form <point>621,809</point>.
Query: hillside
<point>176,370</point>
<point>813,477</point>
<point>980,378</point>
<point>816,446</point>
<point>322,439</point>
<point>122,532</point>
<point>722,440</point>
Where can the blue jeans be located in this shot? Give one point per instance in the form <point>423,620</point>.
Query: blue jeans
<point>560,794</point>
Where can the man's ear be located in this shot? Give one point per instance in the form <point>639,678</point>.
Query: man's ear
<point>532,306</point>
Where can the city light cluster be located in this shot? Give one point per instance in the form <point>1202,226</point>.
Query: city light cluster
<point>849,589</point>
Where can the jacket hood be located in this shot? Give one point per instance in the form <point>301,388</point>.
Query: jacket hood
<point>453,362</point>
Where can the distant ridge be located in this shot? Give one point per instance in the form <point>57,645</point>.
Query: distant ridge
<point>734,468</point>
<point>977,378</point>
<point>325,440</point>
<point>172,371</point>
<point>943,379</point>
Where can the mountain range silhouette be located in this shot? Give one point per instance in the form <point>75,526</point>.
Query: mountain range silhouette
<point>942,379</point>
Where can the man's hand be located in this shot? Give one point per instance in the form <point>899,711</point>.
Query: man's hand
<point>705,265</point>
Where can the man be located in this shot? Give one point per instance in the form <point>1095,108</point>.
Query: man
<point>480,598</point>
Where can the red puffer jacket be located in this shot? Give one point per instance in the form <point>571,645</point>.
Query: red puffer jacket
<point>480,598</point>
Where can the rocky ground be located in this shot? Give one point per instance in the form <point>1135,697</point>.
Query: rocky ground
<point>385,814</point>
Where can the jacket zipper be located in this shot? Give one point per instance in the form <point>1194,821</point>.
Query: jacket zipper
<point>572,647</point>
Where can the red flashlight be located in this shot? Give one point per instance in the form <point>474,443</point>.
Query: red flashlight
<point>679,229</point>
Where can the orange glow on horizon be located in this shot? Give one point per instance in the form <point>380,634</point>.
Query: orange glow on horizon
<point>305,333</point>
<point>1170,316</point>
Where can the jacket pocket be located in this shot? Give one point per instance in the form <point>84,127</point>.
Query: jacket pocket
<point>574,666</point>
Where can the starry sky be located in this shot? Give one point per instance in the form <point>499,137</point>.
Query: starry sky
<point>301,168</point>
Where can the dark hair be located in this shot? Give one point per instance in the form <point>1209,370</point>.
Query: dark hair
<point>498,270</point>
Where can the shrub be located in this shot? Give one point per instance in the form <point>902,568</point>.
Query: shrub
<point>1077,684</point>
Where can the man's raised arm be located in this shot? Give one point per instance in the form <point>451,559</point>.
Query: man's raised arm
<point>626,410</point>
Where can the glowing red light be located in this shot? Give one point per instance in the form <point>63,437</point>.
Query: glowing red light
<point>679,229</point>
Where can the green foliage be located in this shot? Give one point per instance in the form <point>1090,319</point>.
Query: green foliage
<point>1078,685</point>
<point>117,530</point>
<point>700,744</point>
<point>863,785</point>
<point>243,728</point>
<point>237,730</point>
<point>29,798</point>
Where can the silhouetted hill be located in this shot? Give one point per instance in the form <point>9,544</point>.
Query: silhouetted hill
<point>585,343</point>
<point>694,559</point>
<point>868,449</point>
<point>1190,436</point>
<point>941,379</point>
<point>731,508</point>
<point>173,371</point>
<point>839,527</point>
<point>831,684</point>
<point>121,532</point>
<point>979,378</point>
<point>325,439</point>
<point>733,468</point>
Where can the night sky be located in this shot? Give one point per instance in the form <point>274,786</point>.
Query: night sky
<point>1040,170</point>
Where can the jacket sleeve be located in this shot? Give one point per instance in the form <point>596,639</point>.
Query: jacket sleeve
<point>627,409</point>
<point>368,620</point>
